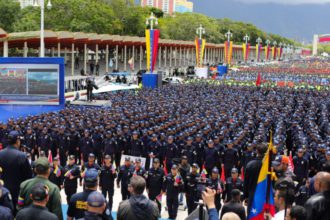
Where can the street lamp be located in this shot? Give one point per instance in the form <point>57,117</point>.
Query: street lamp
<point>200,31</point>
<point>229,35</point>
<point>267,42</point>
<point>246,38</point>
<point>259,40</point>
<point>42,22</point>
<point>152,20</point>
<point>275,43</point>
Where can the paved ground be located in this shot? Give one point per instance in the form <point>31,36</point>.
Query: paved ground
<point>117,199</point>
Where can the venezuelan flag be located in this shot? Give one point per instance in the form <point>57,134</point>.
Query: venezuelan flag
<point>263,197</point>
<point>177,179</point>
<point>57,171</point>
<point>204,172</point>
<point>20,201</point>
<point>68,173</point>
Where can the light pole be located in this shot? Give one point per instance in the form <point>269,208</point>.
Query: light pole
<point>200,31</point>
<point>246,38</point>
<point>267,42</point>
<point>42,22</point>
<point>152,20</point>
<point>258,41</point>
<point>275,43</point>
<point>229,35</point>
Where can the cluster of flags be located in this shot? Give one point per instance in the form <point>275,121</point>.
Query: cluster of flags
<point>246,51</point>
<point>228,51</point>
<point>200,48</point>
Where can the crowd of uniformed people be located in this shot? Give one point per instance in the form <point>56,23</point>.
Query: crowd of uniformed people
<point>193,137</point>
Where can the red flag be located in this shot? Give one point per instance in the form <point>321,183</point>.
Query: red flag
<point>204,172</point>
<point>50,156</point>
<point>223,176</point>
<point>258,82</point>
<point>165,168</point>
<point>242,173</point>
<point>1,147</point>
<point>291,165</point>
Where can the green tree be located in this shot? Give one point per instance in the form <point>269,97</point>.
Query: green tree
<point>8,14</point>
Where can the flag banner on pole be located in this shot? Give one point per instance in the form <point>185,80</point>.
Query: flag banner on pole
<point>279,52</point>
<point>263,200</point>
<point>258,51</point>
<point>274,52</point>
<point>267,50</point>
<point>246,51</point>
<point>230,53</point>
<point>226,52</point>
<point>200,47</point>
<point>291,165</point>
<point>152,38</point>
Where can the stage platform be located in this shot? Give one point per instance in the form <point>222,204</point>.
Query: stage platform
<point>95,103</point>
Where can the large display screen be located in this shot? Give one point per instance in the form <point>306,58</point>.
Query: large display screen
<point>36,84</point>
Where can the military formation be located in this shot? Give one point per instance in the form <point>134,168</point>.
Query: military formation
<point>192,136</point>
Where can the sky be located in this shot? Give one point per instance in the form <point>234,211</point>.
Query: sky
<point>295,19</point>
<point>286,2</point>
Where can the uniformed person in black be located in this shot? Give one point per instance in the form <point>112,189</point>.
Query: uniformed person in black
<point>108,174</point>
<point>191,188</point>
<point>230,159</point>
<point>56,175</point>
<point>211,157</point>
<point>78,202</point>
<point>71,175</point>
<point>74,140</point>
<point>86,145</point>
<point>198,152</point>
<point>98,144</point>
<point>136,146</point>
<point>30,141</point>
<point>125,172</point>
<point>109,144</point>
<point>173,185</point>
<point>89,165</point>
<point>170,150</point>
<point>14,165</point>
<point>121,146</point>
<point>300,167</point>
<point>138,170</point>
<point>62,145</point>
<point>154,182</point>
<point>232,183</point>
<point>154,150</point>
<point>187,150</point>
<point>248,155</point>
<point>45,141</point>
<point>5,197</point>
<point>214,183</point>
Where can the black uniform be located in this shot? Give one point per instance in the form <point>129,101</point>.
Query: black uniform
<point>232,184</point>
<point>230,159</point>
<point>187,150</point>
<point>107,179</point>
<point>78,206</point>
<point>172,192</point>
<point>136,148</point>
<point>211,158</point>
<point>139,172</point>
<point>215,185</point>
<point>6,199</point>
<point>170,154</point>
<point>155,179</point>
<point>86,147</point>
<point>191,191</point>
<point>45,142</point>
<point>199,153</point>
<point>71,184</point>
<point>87,166</point>
<point>35,212</point>
<point>74,139</point>
<point>154,148</point>
<point>302,195</point>
<point>301,169</point>
<point>30,141</point>
<point>62,143</point>
<point>98,146</point>
<point>109,147</point>
<point>123,176</point>
<point>121,145</point>
<point>247,157</point>
<point>56,176</point>
<point>15,169</point>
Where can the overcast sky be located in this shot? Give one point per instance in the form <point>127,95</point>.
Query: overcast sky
<point>295,2</point>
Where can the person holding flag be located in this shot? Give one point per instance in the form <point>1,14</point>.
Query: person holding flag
<point>263,199</point>
<point>71,174</point>
<point>191,188</point>
<point>172,186</point>
<point>56,173</point>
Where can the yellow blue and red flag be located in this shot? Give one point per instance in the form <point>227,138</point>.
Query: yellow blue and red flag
<point>152,37</point>
<point>263,200</point>
<point>200,48</point>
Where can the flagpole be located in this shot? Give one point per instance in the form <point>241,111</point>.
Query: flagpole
<point>269,177</point>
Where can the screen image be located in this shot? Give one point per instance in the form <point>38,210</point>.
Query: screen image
<point>13,81</point>
<point>29,84</point>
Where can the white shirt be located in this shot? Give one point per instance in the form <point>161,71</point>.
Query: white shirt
<point>279,215</point>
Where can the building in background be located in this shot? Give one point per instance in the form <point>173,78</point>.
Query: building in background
<point>169,6</point>
<point>183,6</point>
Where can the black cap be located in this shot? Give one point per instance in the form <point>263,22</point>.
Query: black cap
<point>127,159</point>
<point>91,175</point>
<point>13,136</point>
<point>138,160</point>
<point>72,157</point>
<point>195,165</point>
<point>174,166</point>
<point>215,170</point>
<point>39,192</point>
<point>91,155</point>
<point>184,157</point>
<point>234,170</point>
<point>156,160</point>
